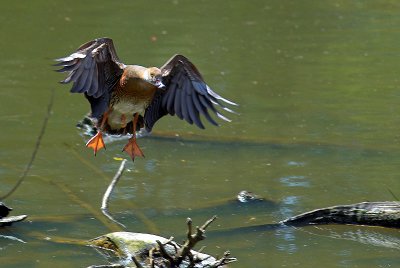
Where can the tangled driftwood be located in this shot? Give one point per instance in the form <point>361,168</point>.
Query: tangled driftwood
<point>148,251</point>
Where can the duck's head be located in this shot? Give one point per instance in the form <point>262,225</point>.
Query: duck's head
<point>154,77</point>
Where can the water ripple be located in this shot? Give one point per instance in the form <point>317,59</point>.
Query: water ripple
<point>295,181</point>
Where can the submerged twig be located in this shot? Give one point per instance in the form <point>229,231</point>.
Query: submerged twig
<point>12,238</point>
<point>57,239</point>
<point>75,198</point>
<point>140,215</point>
<point>86,162</point>
<point>394,196</point>
<point>36,149</point>
<point>104,203</point>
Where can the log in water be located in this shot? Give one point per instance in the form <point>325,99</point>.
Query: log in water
<point>386,214</point>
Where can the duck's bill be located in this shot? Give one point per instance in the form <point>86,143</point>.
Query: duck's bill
<point>159,84</point>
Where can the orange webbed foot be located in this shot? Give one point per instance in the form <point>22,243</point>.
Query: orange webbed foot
<point>96,142</point>
<point>132,148</point>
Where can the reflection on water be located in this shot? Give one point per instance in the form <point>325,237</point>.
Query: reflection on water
<point>296,164</point>
<point>286,238</point>
<point>295,181</point>
<point>289,203</point>
<point>151,166</point>
<point>371,236</point>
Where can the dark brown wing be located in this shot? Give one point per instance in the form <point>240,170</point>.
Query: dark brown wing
<point>185,95</point>
<point>94,69</point>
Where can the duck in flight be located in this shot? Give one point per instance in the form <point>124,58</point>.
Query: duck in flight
<point>125,98</point>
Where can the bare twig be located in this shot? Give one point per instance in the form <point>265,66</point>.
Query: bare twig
<point>140,215</point>
<point>164,252</point>
<point>137,263</point>
<point>169,254</point>
<point>35,150</point>
<point>151,251</point>
<point>207,223</point>
<point>224,260</point>
<point>192,239</point>
<point>104,203</point>
<point>171,242</point>
<point>75,198</point>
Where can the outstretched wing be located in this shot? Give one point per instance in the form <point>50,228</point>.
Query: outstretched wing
<point>185,95</point>
<point>94,69</point>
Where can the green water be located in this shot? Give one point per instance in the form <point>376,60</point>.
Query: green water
<point>319,125</point>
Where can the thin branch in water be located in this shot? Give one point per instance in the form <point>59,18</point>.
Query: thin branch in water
<point>106,196</point>
<point>12,238</point>
<point>35,150</point>
<point>394,196</point>
<point>140,215</point>
<point>73,197</point>
<point>86,162</point>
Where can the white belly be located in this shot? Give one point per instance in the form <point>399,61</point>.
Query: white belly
<point>123,112</point>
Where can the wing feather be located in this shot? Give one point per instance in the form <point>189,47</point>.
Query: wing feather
<point>177,103</point>
<point>193,113</point>
<point>184,105</point>
<point>187,95</point>
<point>90,80</point>
<point>171,98</point>
<point>94,69</point>
<point>203,110</point>
<point>68,68</point>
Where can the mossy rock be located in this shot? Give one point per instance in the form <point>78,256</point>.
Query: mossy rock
<point>125,245</point>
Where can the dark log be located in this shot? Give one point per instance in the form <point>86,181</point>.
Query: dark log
<point>386,214</point>
<point>4,210</point>
<point>6,220</point>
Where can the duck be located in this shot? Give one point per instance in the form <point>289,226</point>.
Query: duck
<point>126,98</point>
